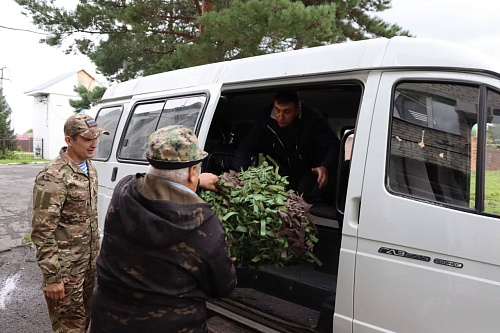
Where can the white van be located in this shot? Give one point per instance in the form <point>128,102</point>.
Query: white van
<point>410,239</point>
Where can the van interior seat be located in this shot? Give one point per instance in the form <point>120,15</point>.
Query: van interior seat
<point>417,179</point>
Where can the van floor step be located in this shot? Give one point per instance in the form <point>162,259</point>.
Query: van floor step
<point>275,306</point>
<point>218,324</point>
<point>299,284</point>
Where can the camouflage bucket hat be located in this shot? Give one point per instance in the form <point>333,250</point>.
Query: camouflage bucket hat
<point>83,125</point>
<point>174,147</point>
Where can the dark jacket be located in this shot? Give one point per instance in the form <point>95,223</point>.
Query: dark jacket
<point>163,254</point>
<point>308,143</point>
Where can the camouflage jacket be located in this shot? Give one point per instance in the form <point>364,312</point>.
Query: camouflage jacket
<point>64,225</point>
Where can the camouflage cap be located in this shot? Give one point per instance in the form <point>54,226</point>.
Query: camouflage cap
<point>174,147</point>
<point>83,125</point>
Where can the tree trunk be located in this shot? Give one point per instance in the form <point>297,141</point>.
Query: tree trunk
<point>206,7</point>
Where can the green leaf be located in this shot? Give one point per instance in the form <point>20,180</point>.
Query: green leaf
<point>256,258</point>
<point>241,228</point>
<point>315,259</point>
<point>313,238</point>
<point>263,227</point>
<point>276,187</point>
<point>228,215</point>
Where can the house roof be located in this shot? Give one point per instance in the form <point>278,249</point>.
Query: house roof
<point>25,136</point>
<point>43,88</point>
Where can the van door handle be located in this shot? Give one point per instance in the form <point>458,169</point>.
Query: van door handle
<point>113,174</point>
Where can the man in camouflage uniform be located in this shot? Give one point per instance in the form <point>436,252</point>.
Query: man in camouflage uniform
<point>64,226</point>
<point>164,251</point>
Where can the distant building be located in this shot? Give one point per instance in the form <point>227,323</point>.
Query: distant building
<point>25,142</point>
<point>51,109</point>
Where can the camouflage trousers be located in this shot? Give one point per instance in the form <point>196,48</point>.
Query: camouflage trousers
<point>72,313</point>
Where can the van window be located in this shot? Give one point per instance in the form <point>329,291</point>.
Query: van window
<point>431,141</point>
<point>182,111</point>
<point>492,155</point>
<point>148,117</point>
<point>107,118</point>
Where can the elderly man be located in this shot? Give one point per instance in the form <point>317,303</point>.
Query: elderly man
<point>164,251</point>
<point>64,226</point>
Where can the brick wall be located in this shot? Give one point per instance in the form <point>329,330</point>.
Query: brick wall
<point>492,156</point>
<point>430,145</point>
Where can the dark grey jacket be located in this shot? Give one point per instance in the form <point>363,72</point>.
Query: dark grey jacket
<point>163,254</point>
<point>307,144</point>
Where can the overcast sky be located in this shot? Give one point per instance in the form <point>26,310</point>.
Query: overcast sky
<point>28,63</point>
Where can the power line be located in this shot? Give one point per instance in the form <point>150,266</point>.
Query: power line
<point>25,30</point>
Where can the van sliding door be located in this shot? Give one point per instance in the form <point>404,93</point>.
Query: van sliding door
<point>427,257</point>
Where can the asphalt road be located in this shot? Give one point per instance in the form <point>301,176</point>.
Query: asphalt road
<point>22,307</point>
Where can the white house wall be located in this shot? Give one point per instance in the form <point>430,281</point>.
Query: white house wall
<point>41,125</point>
<point>50,116</point>
<point>61,110</point>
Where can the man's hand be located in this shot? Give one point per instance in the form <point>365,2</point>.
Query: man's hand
<point>55,291</point>
<point>208,180</point>
<point>322,173</point>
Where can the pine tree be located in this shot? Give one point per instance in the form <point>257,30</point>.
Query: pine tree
<point>7,137</point>
<point>127,39</point>
<point>88,98</point>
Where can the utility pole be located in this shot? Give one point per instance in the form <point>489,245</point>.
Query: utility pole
<point>1,77</point>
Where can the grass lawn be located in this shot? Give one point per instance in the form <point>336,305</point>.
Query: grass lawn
<point>492,192</point>
<point>23,160</point>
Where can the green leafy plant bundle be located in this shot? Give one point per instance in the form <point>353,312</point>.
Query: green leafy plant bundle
<point>264,222</point>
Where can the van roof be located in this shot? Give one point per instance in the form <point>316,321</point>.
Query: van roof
<point>397,52</point>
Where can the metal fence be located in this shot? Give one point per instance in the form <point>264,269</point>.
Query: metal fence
<point>21,148</point>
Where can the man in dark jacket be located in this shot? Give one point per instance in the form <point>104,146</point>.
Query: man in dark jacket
<point>163,252</point>
<point>298,138</point>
